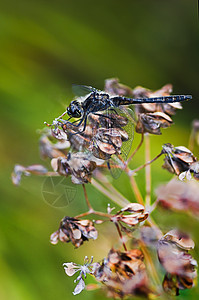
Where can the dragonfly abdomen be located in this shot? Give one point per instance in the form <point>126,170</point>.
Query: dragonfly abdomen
<point>166,99</point>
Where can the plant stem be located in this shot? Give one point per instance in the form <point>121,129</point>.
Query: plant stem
<point>121,237</point>
<point>86,197</point>
<point>131,172</point>
<point>136,190</point>
<point>138,147</point>
<point>147,171</point>
<point>98,213</point>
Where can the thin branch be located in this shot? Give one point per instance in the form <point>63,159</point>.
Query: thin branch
<point>132,172</point>
<point>136,190</point>
<point>147,171</point>
<point>121,237</point>
<point>136,150</point>
<point>98,213</point>
<point>86,197</point>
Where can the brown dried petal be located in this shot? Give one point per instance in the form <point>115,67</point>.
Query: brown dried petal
<point>87,228</point>
<point>143,217</point>
<point>63,237</point>
<point>133,220</point>
<point>106,148</point>
<point>133,207</point>
<point>184,154</point>
<point>98,153</point>
<point>61,166</point>
<point>130,220</point>
<point>126,263</point>
<point>182,240</point>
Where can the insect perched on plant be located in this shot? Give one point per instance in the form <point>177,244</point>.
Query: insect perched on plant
<point>109,130</point>
<point>96,101</point>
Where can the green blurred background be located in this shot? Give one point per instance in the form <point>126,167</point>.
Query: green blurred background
<point>45,47</point>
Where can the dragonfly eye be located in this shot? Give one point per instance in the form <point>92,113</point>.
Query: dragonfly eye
<point>74,110</point>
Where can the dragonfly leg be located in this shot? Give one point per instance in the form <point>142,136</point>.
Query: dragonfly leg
<point>79,132</point>
<point>72,123</point>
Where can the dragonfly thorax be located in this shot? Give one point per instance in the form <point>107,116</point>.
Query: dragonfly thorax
<point>75,109</point>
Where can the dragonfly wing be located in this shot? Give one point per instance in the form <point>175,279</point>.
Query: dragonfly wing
<point>108,137</point>
<point>82,90</point>
<point>129,128</point>
<point>117,161</point>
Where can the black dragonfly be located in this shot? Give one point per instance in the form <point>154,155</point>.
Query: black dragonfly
<point>97,101</point>
<point>114,132</point>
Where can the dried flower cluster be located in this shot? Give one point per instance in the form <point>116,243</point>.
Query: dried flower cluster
<point>74,230</point>
<point>181,161</point>
<point>179,265</point>
<point>124,274</point>
<point>100,141</point>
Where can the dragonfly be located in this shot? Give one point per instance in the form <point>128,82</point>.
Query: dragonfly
<point>96,101</point>
<point>113,119</point>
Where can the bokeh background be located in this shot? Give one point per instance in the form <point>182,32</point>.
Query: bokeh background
<point>45,47</point>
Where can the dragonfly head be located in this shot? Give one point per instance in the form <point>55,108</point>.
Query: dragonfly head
<point>75,109</point>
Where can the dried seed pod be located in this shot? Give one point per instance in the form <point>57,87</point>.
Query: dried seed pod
<point>79,165</point>
<point>107,142</point>
<point>178,264</point>
<point>74,230</point>
<point>152,122</point>
<point>131,215</point>
<point>179,160</point>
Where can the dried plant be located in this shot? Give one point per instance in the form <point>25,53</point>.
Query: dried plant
<point>99,143</point>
